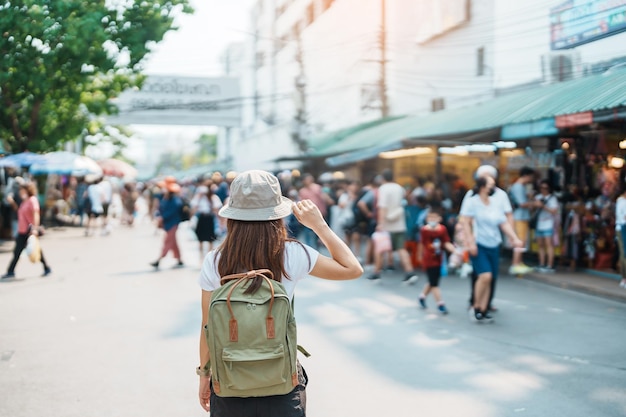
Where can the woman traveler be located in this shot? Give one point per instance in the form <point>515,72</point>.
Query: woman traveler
<point>170,207</point>
<point>482,222</point>
<point>205,205</point>
<point>28,221</point>
<point>256,238</point>
<point>547,207</point>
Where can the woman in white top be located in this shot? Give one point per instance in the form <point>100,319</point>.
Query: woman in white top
<point>620,231</point>
<point>548,207</point>
<point>483,221</point>
<point>205,205</point>
<point>257,238</point>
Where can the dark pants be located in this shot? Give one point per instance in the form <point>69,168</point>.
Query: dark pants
<point>288,405</point>
<point>20,244</point>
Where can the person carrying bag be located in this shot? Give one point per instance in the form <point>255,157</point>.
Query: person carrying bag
<point>254,272</point>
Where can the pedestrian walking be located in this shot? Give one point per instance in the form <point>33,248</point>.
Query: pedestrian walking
<point>204,206</point>
<point>483,222</point>
<point>94,208</point>
<point>392,219</point>
<point>170,206</point>
<point>501,203</point>
<point>28,222</point>
<point>313,191</point>
<point>435,239</point>
<point>257,238</point>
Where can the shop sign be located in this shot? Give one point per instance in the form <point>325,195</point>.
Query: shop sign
<point>175,100</point>
<point>575,119</point>
<point>576,22</point>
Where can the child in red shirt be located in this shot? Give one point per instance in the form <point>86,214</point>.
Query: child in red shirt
<point>435,239</point>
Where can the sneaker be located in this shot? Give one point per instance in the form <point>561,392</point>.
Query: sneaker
<point>442,309</point>
<point>422,302</point>
<point>474,315</point>
<point>520,269</point>
<point>478,316</point>
<point>410,278</point>
<point>374,277</point>
<point>46,272</point>
<point>155,264</point>
<point>8,275</point>
<point>487,318</point>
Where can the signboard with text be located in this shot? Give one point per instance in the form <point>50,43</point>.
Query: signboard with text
<point>576,22</point>
<point>174,100</point>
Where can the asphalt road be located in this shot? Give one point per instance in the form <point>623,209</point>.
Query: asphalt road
<point>105,335</point>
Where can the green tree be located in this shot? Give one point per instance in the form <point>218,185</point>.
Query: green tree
<point>207,146</point>
<point>61,61</point>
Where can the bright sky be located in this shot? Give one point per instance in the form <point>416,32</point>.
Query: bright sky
<point>194,49</point>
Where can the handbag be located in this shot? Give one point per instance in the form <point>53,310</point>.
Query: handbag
<point>382,242</point>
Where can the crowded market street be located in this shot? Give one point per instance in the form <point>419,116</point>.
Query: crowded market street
<point>107,335</point>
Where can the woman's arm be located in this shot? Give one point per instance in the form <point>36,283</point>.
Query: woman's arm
<point>204,392</point>
<point>509,232</point>
<point>342,264</point>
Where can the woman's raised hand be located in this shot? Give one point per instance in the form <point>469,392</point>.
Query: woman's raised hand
<point>308,214</point>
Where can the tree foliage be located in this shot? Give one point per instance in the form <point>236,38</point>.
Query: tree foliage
<point>61,61</point>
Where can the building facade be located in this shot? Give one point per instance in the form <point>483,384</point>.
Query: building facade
<point>314,66</point>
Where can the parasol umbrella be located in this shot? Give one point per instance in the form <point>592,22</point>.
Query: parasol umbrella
<point>21,160</point>
<point>116,168</point>
<point>66,163</point>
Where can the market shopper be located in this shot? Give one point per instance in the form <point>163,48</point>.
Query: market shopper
<point>484,221</point>
<point>391,218</point>
<point>257,238</point>
<point>501,203</point>
<point>28,222</point>
<point>519,195</point>
<point>169,218</point>
<point>547,207</point>
<point>204,206</point>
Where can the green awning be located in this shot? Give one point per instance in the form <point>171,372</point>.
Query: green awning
<point>593,93</point>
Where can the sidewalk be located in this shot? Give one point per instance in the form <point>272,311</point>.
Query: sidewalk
<point>582,281</point>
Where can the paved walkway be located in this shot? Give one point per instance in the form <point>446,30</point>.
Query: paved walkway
<point>583,281</point>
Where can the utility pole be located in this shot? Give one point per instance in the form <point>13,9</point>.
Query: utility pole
<point>300,120</point>
<point>384,108</point>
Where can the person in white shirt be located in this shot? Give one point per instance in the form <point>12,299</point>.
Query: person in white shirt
<point>548,206</point>
<point>483,224</point>
<point>257,238</point>
<point>392,219</point>
<point>518,194</point>
<point>501,202</point>
<point>204,206</point>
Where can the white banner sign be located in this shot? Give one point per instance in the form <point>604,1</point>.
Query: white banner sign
<point>165,100</point>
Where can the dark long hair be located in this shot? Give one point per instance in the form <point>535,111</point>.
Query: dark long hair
<point>252,245</point>
<point>481,182</point>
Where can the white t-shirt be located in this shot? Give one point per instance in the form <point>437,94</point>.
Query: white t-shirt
<point>545,219</point>
<point>487,219</point>
<point>499,199</point>
<point>201,203</point>
<point>296,265</point>
<point>94,192</point>
<point>620,213</point>
<point>391,196</point>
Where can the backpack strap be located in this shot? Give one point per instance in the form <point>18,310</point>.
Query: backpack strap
<point>269,321</point>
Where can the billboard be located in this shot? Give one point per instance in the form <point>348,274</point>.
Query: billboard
<point>576,22</point>
<point>175,100</point>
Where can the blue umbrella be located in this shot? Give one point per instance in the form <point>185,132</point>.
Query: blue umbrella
<point>66,163</point>
<point>21,160</point>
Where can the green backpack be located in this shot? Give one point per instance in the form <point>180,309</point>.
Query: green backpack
<point>252,338</point>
